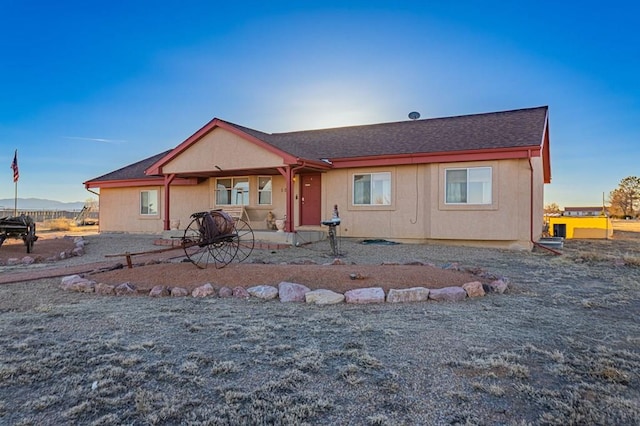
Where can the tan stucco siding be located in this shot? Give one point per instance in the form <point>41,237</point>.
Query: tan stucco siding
<point>418,210</point>
<point>223,149</point>
<point>538,198</point>
<point>186,200</point>
<point>120,208</point>
<point>120,211</point>
<point>403,218</point>
<point>506,218</point>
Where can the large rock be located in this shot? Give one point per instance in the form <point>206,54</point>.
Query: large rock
<point>106,289</point>
<point>365,295</point>
<point>266,292</point>
<point>203,291</point>
<point>82,286</point>
<point>292,292</point>
<point>414,294</point>
<point>88,286</point>
<point>473,289</point>
<point>179,292</point>
<point>159,291</point>
<point>125,289</point>
<point>77,283</point>
<point>323,297</point>
<point>225,292</point>
<point>69,279</point>
<point>498,286</point>
<point>448,294</point>
<point>28,260</point>
<point>68,253</point>
<point>240,292</point>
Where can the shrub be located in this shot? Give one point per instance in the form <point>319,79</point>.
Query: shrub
<point>60,224</point>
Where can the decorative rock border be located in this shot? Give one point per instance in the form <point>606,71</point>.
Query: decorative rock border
<point>78,250</point>
<point>288,292</point>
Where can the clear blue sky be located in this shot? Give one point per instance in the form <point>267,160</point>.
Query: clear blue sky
<point>88,87</point>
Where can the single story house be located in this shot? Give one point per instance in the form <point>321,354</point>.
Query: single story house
<point>584,211</point>
<point>472,179</point>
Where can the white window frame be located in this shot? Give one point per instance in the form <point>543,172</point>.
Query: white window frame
<point>470,194</point>
<point>374,177</point>
<point>267,188</point>
<point>152,197</point>
<point>233,192</point>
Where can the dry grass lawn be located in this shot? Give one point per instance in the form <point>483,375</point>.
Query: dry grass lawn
<point>562,348</point>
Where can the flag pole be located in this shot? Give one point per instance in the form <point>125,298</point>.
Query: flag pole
<point>16,176</point>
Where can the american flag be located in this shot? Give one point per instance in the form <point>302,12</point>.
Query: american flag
<point>14,166</point>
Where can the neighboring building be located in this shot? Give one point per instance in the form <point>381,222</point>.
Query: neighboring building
<point>589,227</point>
<point>584,211</point>
<point>474,179</point>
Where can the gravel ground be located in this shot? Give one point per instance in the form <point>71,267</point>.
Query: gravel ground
<point>561,347</point>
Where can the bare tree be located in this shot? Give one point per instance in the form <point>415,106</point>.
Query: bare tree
<point>626,196</point>
<point>92,203</point>
<point>552,208</point>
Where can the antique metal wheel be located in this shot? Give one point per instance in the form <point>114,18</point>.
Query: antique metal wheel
<point>245,240</point>
<point>30,236</point>
<point>195,247</point>
<point>208,240</point>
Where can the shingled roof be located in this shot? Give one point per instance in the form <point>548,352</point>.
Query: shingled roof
<point>495,130</point>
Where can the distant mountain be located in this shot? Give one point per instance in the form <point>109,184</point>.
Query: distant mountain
<point>39,204</point>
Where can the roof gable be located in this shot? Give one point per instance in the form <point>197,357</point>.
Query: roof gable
<point>156,168</point>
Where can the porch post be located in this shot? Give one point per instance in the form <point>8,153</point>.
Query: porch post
<point>287,172</point>
<point>290,200</point>
<point>167,201</point>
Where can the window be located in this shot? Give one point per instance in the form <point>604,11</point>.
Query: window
<point>232,191</point>
<point>372,189</point>
<point>468,186</point>
<point>149,202</point>
<point>264,190</point>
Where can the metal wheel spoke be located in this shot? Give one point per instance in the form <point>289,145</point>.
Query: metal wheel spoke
<point>195,248</point>
<point>211,237</point>
<point>223,253</point>
<point>245,240</point>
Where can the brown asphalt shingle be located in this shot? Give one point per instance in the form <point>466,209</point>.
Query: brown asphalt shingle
<point>494,130</point>
<point>132,171</point>
<point>517,128</point>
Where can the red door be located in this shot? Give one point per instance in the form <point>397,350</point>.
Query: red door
<point>310,199</point>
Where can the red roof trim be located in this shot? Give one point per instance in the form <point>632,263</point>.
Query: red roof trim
<point>443,157</point>
<point>151,181</point>
<point>156,168</point>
